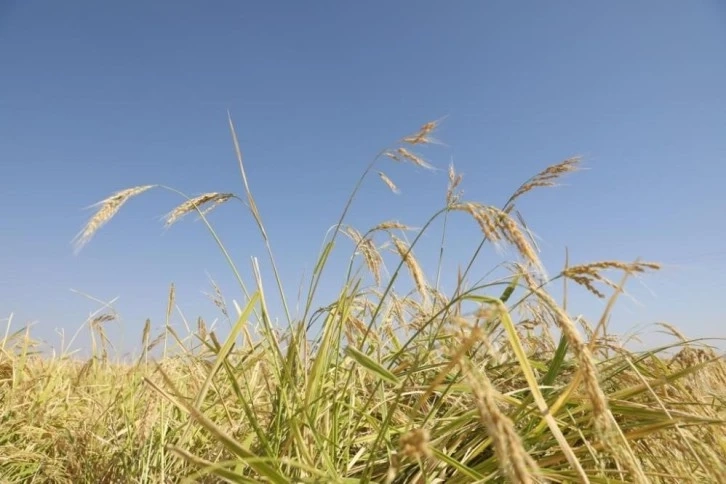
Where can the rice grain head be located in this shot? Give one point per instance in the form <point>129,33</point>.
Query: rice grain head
<point>496,225</point>
<point>403,153</point>
<point>412,264</point>
<point>601,415</point>
<point>367,248</point>
<point>109,207</point>
<point>579,348</point>
<point>511,231</point>
<point>587,274</point>
<point>389,183</point>
<point>423,135</point>
<point>452,195</point>
<point>545,178</point>
<point>390,225</point>
<point>195,203</point>
<point>514,461</point>
<point>481,214</point>
<point>222,198</point>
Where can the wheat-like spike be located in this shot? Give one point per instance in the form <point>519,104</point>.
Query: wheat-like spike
<point>101,319</point>
<point>222,198</point>
<point>390,225</point>
<point>398,310</point>
<point>452,196</point>
<point>496,224</point>
<point>514,460</point>
<point>511,231</point>
<point>218,299</point>
<point>389,183</point>
<point>109,207</point>
<point>202,329</point>
<point>482,216</point>
<point>146,332</point>
<point>422,136</point>
<point>545,178</point>
<point>353,233</point>
<point>195,203</point>
<point>600,410</point>
<point>594,267</point>
<point>587,274</point>
<point>371,256</point>
<point>412,264</point>
<point>413,158</point>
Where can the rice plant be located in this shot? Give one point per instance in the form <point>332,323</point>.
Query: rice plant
<point>494,381</point>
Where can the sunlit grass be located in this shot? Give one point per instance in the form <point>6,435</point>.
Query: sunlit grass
<point>494,381</point>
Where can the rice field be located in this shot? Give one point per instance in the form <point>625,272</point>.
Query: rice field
<point>493,382</point>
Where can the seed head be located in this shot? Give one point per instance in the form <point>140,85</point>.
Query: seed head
<point>389,183</point>
<point>109,207</point>
<point>195,203</point>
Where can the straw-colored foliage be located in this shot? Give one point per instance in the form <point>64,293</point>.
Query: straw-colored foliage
<point>396,379</point>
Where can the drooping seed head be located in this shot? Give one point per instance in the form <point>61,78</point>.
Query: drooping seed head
<point>109,207</point>
<point>403,153</point>
<point>389,183</point>
<point>368,250</point>
<point>196,203</point>
<point>514,461</point>
<point>412,264</point>
<point>587,274</point>
<point>422,136</point>
<point>545,178</point>
<point>389,225</point>
<point>452,195</point>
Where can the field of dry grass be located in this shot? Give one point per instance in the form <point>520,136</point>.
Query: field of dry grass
<point>493,382</point>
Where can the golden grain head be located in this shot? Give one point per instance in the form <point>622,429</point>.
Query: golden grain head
<point>109,207</point>
<point>196,203</point>
<point>581,351</point>
<point>202,329</point>
<point>482,216</point>
<point>101,319</point>
<point>412,264</point>
<point>403,153</point>
<point>389,183</point>
<point>514,461</point>
<point>146,332</point>
<point>222,198</point>
<point>496,225</point>
<point>368,250</point>
<point>512,232</point>
<point>545,178</point>
<point>390,225</point>
<point>423,135</point>
<point>353,233</point>
<point>587,274</point>
<point>452,194</point>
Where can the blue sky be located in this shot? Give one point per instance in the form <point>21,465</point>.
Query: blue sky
<point>99,96</point>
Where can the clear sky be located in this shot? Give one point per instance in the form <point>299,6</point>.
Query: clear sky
<point>100,96</point>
